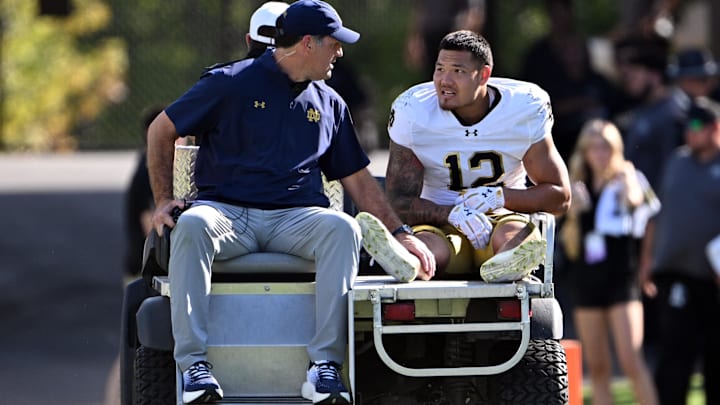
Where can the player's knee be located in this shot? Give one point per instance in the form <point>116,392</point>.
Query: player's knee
<point>506,231</point>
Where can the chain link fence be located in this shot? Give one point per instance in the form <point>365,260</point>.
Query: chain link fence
<point>169,46</point>
<point>166,45</point>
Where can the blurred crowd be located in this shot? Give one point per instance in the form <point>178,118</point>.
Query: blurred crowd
<point>622,125</point>
<point>634,281</point>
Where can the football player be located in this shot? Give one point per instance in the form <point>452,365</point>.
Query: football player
<point>470,157</point>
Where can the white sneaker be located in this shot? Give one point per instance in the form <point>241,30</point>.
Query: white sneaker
<point>386,250</point>
<point>324,384</point>
<point>514,264</point>
<point>199,385</point>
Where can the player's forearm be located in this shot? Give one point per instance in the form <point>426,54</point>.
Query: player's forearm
<point>403,192</point>
<point>542,197</point>
<point>417,211</point>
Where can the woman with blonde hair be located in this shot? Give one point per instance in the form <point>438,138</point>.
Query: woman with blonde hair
<point>611,205</point>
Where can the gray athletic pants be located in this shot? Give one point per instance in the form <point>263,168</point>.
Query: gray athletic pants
<point>213,230</point>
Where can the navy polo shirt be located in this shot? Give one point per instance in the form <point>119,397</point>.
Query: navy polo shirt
<point>264,140</point>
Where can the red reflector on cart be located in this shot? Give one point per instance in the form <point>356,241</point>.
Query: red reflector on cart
<point>401,311</point>
<point>509,310</point>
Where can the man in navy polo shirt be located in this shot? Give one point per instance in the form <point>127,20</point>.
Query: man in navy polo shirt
<point>267,128</point>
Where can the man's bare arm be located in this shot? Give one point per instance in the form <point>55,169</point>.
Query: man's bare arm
<point>368,196</point>
<point>646,261</point>
<point>403,185</point>
<point>548,172</point>
<point>161,138</point>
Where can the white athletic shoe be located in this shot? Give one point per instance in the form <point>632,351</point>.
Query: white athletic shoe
<point>386,250</point>
<point>199,385</point>
<point>324,385</point>
<point>514,264</point>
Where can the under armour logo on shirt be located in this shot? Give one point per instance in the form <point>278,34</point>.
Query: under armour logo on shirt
<point>474,132</point>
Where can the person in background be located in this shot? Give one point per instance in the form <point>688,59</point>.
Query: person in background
<point>139,204</point>
<point>612,202</point>
<point>430,21</point>
<point>646,18</point>
<point>268,128</point>
<point>675,267</point>
<point>262,28</point>
<point>137,216</point>
<point>694,71</point>
<point>577,91</point>
<point>651,121</point>
<point>262,32</point>
<point>349,84</point>
<point>653,129</point>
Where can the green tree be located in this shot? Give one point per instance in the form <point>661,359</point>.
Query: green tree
<point>82,81</point>
<point>57,73</point>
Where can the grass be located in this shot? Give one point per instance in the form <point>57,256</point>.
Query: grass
<point>623,394</point>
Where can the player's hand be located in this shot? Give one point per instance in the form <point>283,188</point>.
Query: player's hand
<point>472,223</point>
<point>483,199</point>
<point>163,214</point>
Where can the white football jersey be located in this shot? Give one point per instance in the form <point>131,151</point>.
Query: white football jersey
<point>487,153</point>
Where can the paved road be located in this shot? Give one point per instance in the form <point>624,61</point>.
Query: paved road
<point>61,245</point>
<point>60,275</point>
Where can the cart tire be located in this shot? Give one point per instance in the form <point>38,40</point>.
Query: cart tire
<point>154,377</point>
<point>541,377</point>
<point>133,296</point>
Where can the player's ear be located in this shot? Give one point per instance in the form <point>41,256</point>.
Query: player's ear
<point>485,73</point>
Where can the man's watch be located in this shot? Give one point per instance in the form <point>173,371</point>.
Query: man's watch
<point>403,228</point>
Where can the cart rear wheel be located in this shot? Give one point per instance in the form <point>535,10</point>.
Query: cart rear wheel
<point>154,377</point>
<point>541,377</point>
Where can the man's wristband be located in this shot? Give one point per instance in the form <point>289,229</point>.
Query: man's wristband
<point>403,228</point>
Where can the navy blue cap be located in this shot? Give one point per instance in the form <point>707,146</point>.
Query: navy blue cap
<point>314,17</point>
<point>693,63</point>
